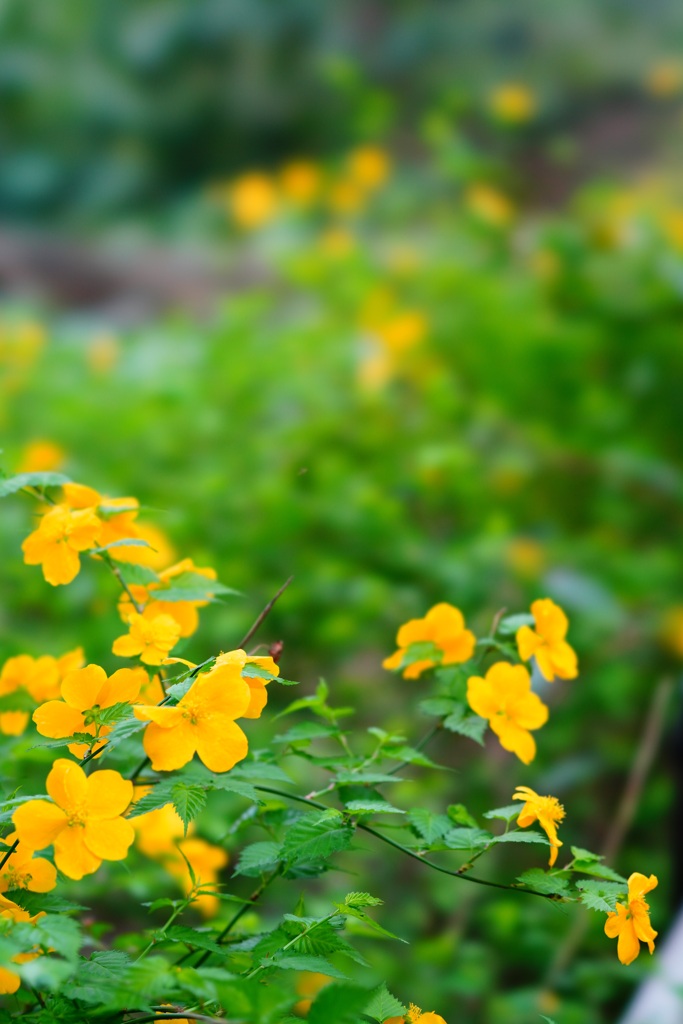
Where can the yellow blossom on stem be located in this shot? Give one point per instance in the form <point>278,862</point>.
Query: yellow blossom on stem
<point>546,810</point>
<point>202,722</point>
<point>631,923</point>
<point>300,181</point>
<point>84,691</point>
<point>116,514</point>
<point>546,643</point>
<point>369,166</point>
<point>444,627</point>
<point>60,537</point>
<point>184,612</point>
<point>83,822</point>
<point>253,200</point>
<point>13,723</point>
<point>416,1016</point>
<point>505,698</point>
<point>41,456</point>
<point>150,636</point>
<point>24,871</point>
<point>10,980</point>
<point>513,103</point>
<point>206,860</point>
<point>257,685</point>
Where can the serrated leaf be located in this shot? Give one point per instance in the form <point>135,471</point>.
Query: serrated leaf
<point>338,1004</point>
<point>137,575</point>
<point>412,756</point>
<point>527,836</point>
<point>511,623</point>
<point>192,937</point>
<point>429,826</point>
<point>468,725</point>
<point>384,1005</point>
<point>438,706</point>
<point>258,858</point>
<point>306,731</point>
<point>372,807</point>
<point>316,836</point>
<point>504,813</point>
<point>467,838</point>
<point>158,796</point>
<point>361,899</point>
<point>291,961</point>
<point>598,870</point>
<point>351,778</point>
<point>16,483</point>
<point>260,771</point>
<point>545,882</point>
<point>585,855</point>
<point>188,799</point>
<point>459,814</point>
<point>600,896</point>
<point>237,786</point>
<point>115,713</point>
<point>132,542</point>
<point>192,586</point>
<point>360,915</point>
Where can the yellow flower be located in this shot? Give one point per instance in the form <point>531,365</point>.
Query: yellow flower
<point>513,103</point>
<point>547,644</point>
<point>253,200</point>
<point>504,697</point>
<point>206,860</point>
<point>308,984</point>
<point>369,166</point>
<point>41,456</point>
<point>13,723</point>
<point>84,820</point>
<point>664,79</point>
<point>443,626</point>
<point>57,542</point>
<point>416,1016</point>
<point>257,686</point>
<point>403,331</point>
<point>490,205</point>
<point>149,636</point>
<point>631,923</point>
<point>184,612</point>
<point>203,721</point>
<point>86,689</point>
<point>116,514</point>
<point>300,181</point>
<point>10,980</point>
<point>24,871</point>
<point>156,831</point>
<point>40,677</point>
<point>546,810</point>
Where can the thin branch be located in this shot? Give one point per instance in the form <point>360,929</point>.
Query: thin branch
<point>106,557</point>
<point>9,853</point>
<point>266,611</point>
<point>254,898</point>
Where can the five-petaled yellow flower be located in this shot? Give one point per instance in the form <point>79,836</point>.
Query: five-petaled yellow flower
<point>443,626</point>
<point>58,540</point>
<point>631,923</point>
<point>546,810</point>
<point>546,643</point>
<point>150,636</point>
<point>84,820</point>
<point>24,871</point>
<point>202,722</point>
<point>505,698</point>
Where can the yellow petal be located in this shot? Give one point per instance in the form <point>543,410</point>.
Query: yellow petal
<point>122,686</point>
<point>628,946</point>
<point>9,981</point>
<point>38,823</point>
<point>444,619</point>
<point>528,642</point>
<point>82,689</point>
<point>61,563</point>
<point>221,743</point>
<point>108,795</point>
<point>639,884</point>
<point>518,741</point>
<point>528,712</point>
<point>57,719</point>
<point>222,689</point>
<point>43,875</point>
<point>258,698</point>
<point>481,697</point>
<point>67,784</point>
<point>551,622</point>
<point>169,749</point>
<point>109,839</point>
<point>416,668</point>
<point>165,718</point>
<point>72,856</point>
<point>127,646</point>
<point>411,632</point>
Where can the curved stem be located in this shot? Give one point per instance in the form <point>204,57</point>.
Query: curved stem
<point>266,611</point>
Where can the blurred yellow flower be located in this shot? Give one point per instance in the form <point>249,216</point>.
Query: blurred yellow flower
<point>513,103</point>
<point>489,205</point>
<point>505,698</point>
<point>13,723</point>
<point>41,456</point>
<point>60,537</point>
<point>403,331</point>
<point>664,79</point>
<point>206,860</point>
<point>308,984</point>
<point>547,644</point>
<point>631,923</point>
<point>525,556</point>
<point>102,353</point>
<point>670,632</point>
<point>253,200</point>
<point>24,871</point>
<point>149,637</point>
<point>546,810</point>
<point>444,627</point>
<point>301,182</point>
<point>160,552</point>
<point>369,166</point>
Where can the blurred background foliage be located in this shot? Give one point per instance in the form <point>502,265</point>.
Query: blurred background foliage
<point>449,371</point>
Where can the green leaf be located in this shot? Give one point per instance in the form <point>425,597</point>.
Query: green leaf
<point>192,937</point>
<point>598,871</point>
<point>259,771</point>
<point>115,713</point>
<point>338,1004</point>
<point>361,899</point>
<point>411,756</point>
<point>316,836</point>
<point>584,855</point>
<point>429,826</point>
<point>438,706</point>
<point>192,586</point>
<point>16,483</point>
<point>372,807</point>
<point>384,1005</point>
<point>511,623</point>
<point>158,796</point>
<point>306,731</point>
<point>545,881</point>
<point>291,961</point>
<point>346,778</point>
<point>600,896</point>
<point>258,858</point>
<point>133,542</point>
<point>528,836</point>
<point>229,785</point>
<point>467,838</point>
<point>468,725</point>
<point>460,815</point>
<point>137,575</point>
<point>188,799</point>
<point>504,813</point>
<point>357,912</point>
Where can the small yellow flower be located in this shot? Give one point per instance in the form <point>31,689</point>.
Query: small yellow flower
<point>547,644</point>
<point>301,181</point>
<point>631,923</point>
<point>403,331</point>
<point>40,677</point>
<point>116,514</point>
<point>416,1016</point>
<point>505,698</point>
<point>513,103</point>
<point>24,871</point>
<point>86,689</point>
<point>443,626</point>
<point>84,820</point>
<point>257,685</point>
<point>57,542</point>
<point>184,612</point>
<point>13,723</point>
<point>41,456</point>
<point>10,980</point>
<point>489,205</point>
<point>664,79</point>
<point>202,722</point>
<point>149,636</point>
<point>546,810</point>
<point>308,984</point>
<point>206,860</point>
<point>253,200</point>
<point>369,166</point>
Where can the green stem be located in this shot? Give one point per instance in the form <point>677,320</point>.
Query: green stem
<point>254,898</point>
<point>307,931</point>
<point>9,853</point>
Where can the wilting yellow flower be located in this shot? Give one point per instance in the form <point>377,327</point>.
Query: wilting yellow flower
<point>13,723</point>
<point>505,698</point>
<point>41,456</point>
<point>402,331</point>
<point>546,810</point>
<point>664,79</point>
<point>513,103</point>
<point>443,626</point>
<point>490,205</point>
<point>257,685</point>
<point>547,644</point>
<point>151,637</point>
<point>203,721</point>
<point>84,821</point>
<point>301,181</point>
<point>631,923</point>
<point>10,980</point>
<point>308,984</point>
<point>24,871</point>
<point>253,200</point>
<point>369,166</point>
<point>57,542</point>
<point>83,691</point>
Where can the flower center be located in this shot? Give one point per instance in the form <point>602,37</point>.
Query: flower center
<point>192,711</point>
<point>76,818</point>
